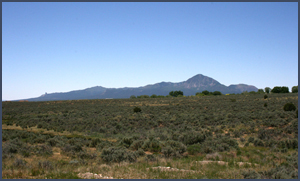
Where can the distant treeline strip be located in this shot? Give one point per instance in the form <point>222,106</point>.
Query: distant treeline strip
<point>179,93</point>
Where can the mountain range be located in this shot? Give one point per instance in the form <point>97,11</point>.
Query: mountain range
<point>197,83</point>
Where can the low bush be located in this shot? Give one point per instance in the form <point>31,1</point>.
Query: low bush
<point>137,109</point>
<point>283,171</point>
<point>250,139</point>
<point>136,145</point>
<point>45,165</point>
<point>19,163</point>
<point>126,142</point>
<point>42,150</point>
<point>95,142</point>
<point>15,146</point>
<point>258,142</point>
<point>251,174</point>
<point>289,107</point>
<point>152,145</point>
<point>151,158</point>
<point>53,141</point>
<point>117,154</point>
<point>86,155</point>
<point>177,146</point>
<point>168,151</point>
<point>190,138</point>
<point>140,152</point>
<point>194,149</point>
<point>213,156</point>
<point>103,144</point>
<point>71,148</point>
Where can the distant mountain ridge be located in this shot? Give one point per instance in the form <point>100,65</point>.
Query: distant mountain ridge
<point>197,83</point>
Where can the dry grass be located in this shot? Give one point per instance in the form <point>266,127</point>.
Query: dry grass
<point>45,131</point>
<point>141,169</point>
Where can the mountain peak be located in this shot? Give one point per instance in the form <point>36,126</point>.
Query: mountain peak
<point>200,80</point>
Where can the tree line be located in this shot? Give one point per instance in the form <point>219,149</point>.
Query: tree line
<point>276,89</point>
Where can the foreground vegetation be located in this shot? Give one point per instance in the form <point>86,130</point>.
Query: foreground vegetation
<point>60,139</point>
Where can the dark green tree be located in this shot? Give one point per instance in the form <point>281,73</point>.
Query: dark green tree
<point>217,93</point>
<point>175,93</point>
<point>260,91</point>
<point>278,89</point>
<point>267,90</point>
<point>295,89</point>
<point>153,96</point>
<point>143,96</point>
<point>205,92</point>
<point>285,90</point>
<point>199,94</point>
<point>132,97</point>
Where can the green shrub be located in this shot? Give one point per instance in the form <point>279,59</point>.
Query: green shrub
<point>168,151</point>
<point>151,158</point>
<point>137,144</point>
<point>251,140</point>
<point>45,165</point>
<point>152,145</point>
<point>126,142</point>
<point>289,107</point>
<point>69,148</point>
<point>140,152</point>
<point>86,155</point>
<point>53,141</point>
<point>19,163</point>
<point>137,109</point>
<point>284,150</point>
<point>117,154</point>
<point>42,150</point>
<point>283,171</point>
<point>177,146</point>
<point>194,149</point>
<point>238,152</point>
<point>103,144</point>
<point>74,162</point>
<point>190,138</point>
<point>95,142</point>
<point>15,146</point>
<point>9,148</point>
<point>251,174</point>
<point>265,96</point>
<point>258,142</point>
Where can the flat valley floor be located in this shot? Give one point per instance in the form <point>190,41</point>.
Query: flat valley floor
<point>213,137</point>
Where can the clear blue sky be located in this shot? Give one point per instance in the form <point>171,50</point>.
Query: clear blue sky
<point>60,47</point>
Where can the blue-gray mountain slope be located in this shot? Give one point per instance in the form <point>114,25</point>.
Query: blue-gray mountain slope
<point>198,83</point>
